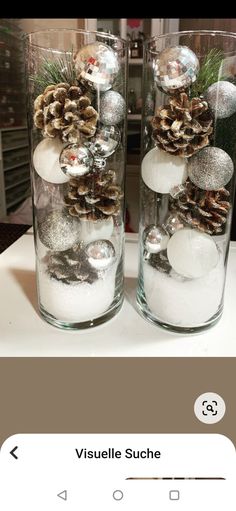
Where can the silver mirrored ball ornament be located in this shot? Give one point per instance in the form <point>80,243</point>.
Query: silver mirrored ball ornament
<point>173,223</point>
<point>96,66</point>
<point>155,239</point>
<point>76,160</point>
<point>175,69</point>
<point>101,254</point>
<point>105,142</point>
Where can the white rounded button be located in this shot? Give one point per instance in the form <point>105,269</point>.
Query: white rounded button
<point>209,408</point>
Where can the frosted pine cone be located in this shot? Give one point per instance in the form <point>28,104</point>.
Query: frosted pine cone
<point>183,126</point>
<point>63,111</point>
<point>160,262</point>
<point>94,197</point>
<point>205,210</point>
<point>71,266</point>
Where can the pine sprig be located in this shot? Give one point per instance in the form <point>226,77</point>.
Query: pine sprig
<point>52,72</point>
<point>209,73</point>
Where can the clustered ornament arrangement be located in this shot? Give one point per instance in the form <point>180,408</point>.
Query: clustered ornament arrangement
<point>182,258</point>
<point>80,118</point>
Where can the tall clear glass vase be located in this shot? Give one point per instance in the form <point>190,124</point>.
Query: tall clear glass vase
<point>77,127</point>
<point>187,177</point>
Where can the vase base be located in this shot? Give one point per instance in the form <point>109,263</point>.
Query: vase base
<point>146,314</point>
<point>81,325</point>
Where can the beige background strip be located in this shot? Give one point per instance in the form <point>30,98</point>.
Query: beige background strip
<point>40,395</point>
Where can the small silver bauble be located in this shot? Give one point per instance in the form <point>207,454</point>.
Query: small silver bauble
<point>172,224</point>
<point>112,108</point>
<point>59,231</point>
<point>176,68</point>
<point>76,160</point>
<point>105,142</point>
<point>177,190</point>
<point>101,254</point>
<point>155,239</point>
<point>210,169</point>
<point>221,98</point>
<point>97,66</point>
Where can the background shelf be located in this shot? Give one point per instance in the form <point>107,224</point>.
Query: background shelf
<point>14,169</point>
<point>135,62</point>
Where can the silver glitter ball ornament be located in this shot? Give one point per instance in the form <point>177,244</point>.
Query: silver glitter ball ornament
<point>97,66</point>
<point>101,254</point>
<point>112,108</point>
<point>210,169</point>
<point>221,98</point>
<point>59,231</point>
<point>76,160</point>
<point>175,69</point>
<point>155,239</point>
<point>105,142</point>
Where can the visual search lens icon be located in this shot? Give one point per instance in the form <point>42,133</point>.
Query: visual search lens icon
<point>209,408</point>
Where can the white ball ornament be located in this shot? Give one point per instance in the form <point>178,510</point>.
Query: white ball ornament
<point>221,98</point>
<point>162,171</point>
<point>46,160</point>
<point>191,253</point>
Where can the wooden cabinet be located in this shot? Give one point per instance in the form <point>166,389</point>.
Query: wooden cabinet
<point>14,153</point>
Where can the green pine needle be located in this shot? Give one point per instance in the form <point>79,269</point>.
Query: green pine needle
<point>209,72</point>
<point>52,72</point>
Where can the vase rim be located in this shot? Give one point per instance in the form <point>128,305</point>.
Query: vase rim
<point>81,31</point>
<point>223,33</point>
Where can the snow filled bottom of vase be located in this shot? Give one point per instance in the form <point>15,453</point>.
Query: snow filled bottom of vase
<point>80,305</point>
<point>178,304</point>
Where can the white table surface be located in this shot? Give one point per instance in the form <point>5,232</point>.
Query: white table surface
<point>23,333</point>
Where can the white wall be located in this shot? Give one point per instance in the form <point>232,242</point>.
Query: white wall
<point>33,24</point>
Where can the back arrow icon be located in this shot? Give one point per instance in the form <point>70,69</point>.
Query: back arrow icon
<point>12,452</point>
<point>62,495</point>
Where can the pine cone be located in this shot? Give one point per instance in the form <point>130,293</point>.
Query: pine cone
<point>63,111</point>
<point>71,267</point>
<point>160,261</point>
<point>94,196</point>
<point>205,210</point>
<point>183,126</point>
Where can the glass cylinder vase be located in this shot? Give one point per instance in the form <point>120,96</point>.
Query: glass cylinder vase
<point>77,126</point>
<point>187,177</point>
